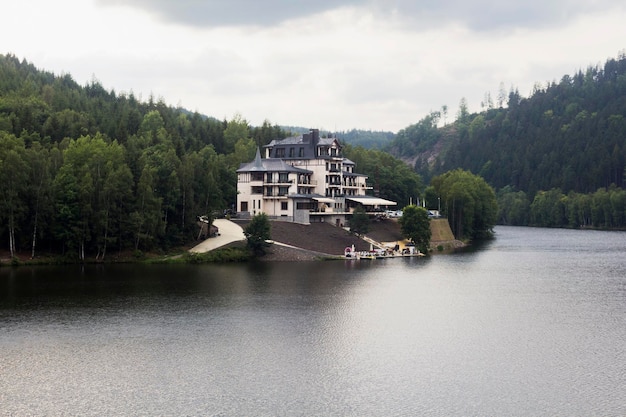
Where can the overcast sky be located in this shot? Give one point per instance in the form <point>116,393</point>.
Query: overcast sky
<point>333,65</point>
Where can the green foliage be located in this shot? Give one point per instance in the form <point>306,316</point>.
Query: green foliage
<point>391,178</point>
<point>236,130</point>
<point>417,138</point>
<point>258,232</point>
<point>605,209</point>
<point>469,203</point>
<point>85,171</point>
<point>360,221</point>
<point>223,255</point>
<point>366,138</point>
<point>569,134</point>
<point>415,225</point>
<point>513,207</point>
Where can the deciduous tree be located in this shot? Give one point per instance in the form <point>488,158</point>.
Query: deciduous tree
<point>415,225</point>
<point>360,221</point>
<point>258,232</point>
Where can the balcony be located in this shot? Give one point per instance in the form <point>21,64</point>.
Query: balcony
<point>357,186</point>
<point>278,182</point>
<point>307,183</point>
<point>275,196</point>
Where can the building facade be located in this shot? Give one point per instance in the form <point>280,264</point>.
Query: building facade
<point>303,179</point>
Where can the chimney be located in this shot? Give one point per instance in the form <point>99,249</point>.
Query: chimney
<point>315,133</point>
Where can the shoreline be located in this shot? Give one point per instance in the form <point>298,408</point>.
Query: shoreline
<point>292,242</point>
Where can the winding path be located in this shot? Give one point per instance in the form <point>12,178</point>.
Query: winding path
<point>228,232</point>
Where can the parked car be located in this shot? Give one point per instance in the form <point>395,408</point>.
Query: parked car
<point>394,213</point>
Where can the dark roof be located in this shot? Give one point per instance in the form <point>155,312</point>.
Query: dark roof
<point>352,174</point>
<point>305,196</point>
<point>292,140</point>
<point>269,165</point>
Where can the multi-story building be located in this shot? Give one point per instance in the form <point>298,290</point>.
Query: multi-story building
<point>303,179</point>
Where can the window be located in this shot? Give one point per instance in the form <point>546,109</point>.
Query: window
<point>283,177</point>
<point>257,190</point>
<point>284,205</point>
<point>282,191</point>
<point>291,152</point>
<point>257,176</point>
<point>301,152</point>
<point>280,153</point>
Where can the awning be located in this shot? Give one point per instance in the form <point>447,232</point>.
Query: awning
<point>372,201</point>
<point>324,200</point>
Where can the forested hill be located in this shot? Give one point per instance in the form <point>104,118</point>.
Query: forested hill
<point>569,135</point>
<point>84,170</point>
<point>88,172</point>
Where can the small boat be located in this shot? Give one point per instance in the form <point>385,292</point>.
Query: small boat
<point>366,255</point>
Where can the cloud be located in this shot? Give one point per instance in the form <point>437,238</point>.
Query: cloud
<point>489,15</point>
<point>379,64</point>
<point>213,13</point>
<point>478,15</point>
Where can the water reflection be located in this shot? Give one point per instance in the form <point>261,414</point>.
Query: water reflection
<point>526,324</point>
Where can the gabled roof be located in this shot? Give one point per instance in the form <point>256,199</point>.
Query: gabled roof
<point>292,140</point>
<point>269,165</point>
<point>300,140</point>
<point>328,141</point>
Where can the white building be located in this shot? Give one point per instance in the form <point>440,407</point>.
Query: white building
<point>303,179</point>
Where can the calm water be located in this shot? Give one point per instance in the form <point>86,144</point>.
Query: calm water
<point>532,323</point>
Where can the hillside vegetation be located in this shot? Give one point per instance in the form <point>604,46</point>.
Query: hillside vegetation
<point>85,171</point>
<point>563,149</point>
<point>88,172</point>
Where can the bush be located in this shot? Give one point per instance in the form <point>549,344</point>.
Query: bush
<point>258,233</point>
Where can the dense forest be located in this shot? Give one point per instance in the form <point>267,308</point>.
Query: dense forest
<point>87,172</point>
<point>367,139</point>
<point>567,139</point>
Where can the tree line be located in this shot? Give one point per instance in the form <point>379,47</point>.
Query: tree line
<point>568,137</point>
<point>84,171</point>
<point>569,134</point>
<point>468,202</point>
<point>604,209</point>
<point>88,172</point>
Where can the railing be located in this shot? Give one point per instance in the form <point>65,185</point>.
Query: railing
<point>276,182</point>
<point>357,186</point>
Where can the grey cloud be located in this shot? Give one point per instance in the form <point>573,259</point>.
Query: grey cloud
<point>203,13</point>
<point>479,15</point>
<point>489,15</point>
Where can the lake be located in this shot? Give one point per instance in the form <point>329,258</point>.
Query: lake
<point>530,323</point>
